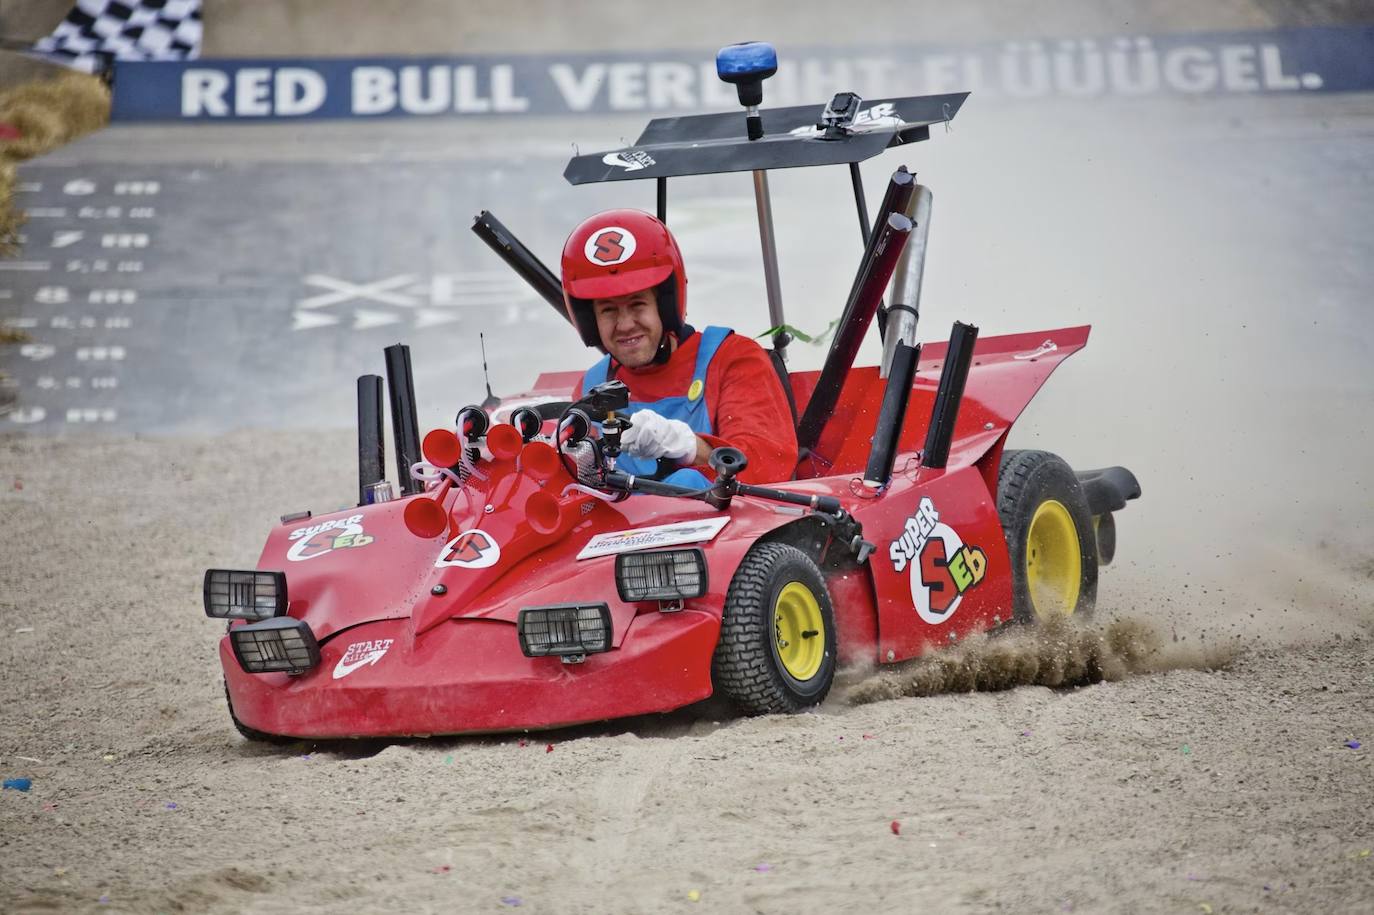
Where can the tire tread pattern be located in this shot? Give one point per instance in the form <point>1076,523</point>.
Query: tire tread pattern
<point>743,665</point>
<point>1015,478</point>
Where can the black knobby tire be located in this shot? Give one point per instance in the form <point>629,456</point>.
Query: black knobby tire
<point>746,666</point>
<point>1025,481</point>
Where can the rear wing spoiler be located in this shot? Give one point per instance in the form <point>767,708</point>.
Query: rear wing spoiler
<point>706,144</point>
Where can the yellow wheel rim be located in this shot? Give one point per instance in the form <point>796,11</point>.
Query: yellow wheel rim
<point>798,631</point>
<point>1054,561</point>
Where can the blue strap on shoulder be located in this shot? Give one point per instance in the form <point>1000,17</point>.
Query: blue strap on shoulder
<point>711,339</point>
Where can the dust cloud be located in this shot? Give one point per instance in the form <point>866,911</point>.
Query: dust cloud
<point>1058,654</point>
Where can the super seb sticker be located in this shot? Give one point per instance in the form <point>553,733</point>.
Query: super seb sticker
<point>942,566</point>
<point>326,537</point>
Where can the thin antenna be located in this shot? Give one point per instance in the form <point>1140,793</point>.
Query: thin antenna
<point>492,400</point>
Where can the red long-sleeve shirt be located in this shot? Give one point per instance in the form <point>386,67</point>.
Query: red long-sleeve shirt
<point>748,407</point>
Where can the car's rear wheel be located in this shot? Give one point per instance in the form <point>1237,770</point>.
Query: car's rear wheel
<point>1050,536</point>
<point>777,645</point>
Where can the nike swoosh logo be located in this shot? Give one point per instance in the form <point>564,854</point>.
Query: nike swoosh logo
<point>342,670</point>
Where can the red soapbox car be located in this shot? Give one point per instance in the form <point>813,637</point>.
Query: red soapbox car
<point>519,581</point>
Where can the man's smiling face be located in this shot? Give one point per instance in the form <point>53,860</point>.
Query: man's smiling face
<point>630,327</point>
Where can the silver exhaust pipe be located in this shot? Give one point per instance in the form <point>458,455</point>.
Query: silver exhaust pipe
<point>905,309</point>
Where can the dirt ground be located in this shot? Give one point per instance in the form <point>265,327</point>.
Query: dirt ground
<point>1187,789</point>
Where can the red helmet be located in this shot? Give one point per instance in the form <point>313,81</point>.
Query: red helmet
<point>616,253</point>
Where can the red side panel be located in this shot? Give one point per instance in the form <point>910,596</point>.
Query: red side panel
<point>940,569</point>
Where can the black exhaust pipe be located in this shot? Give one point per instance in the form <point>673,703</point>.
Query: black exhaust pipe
<point>891,415</point>
<point>405,425</point>
<point>949,395</point>
<point>371,439</point>
<point>879,262</point>
<point>900,187</point>
<point>520,259</point>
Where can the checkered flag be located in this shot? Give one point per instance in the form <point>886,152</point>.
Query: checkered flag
<point>97,32</point>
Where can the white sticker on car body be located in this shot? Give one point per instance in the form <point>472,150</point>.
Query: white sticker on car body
<point>361,654</point>
<point>326,537</point>
<point>472,549</point>
<point>1043,349</point>
<point>645,538</point>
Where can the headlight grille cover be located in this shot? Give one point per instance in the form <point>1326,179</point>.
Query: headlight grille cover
<point>672,574</point>
<point>244,595</point>
<point>280,645</point>
<point>564,630</point>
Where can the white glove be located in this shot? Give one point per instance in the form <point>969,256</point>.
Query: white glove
<point>652,436</point>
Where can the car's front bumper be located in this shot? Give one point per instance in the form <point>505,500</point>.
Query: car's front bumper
<point>469,675</point>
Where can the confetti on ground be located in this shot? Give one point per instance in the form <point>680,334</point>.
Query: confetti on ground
<point>18,784</point>
<point>1362,853</point>
<point>448,760</point>
<point>513,900</point>
<point>443,868</point>
<point>523,743</point>
<point>548,748</point>
<point>694,895</point>
<point>1206,909</point>
<point>763,868</point>
<point>104,900</point>
<point>1025,733</point>
<point>49,808</point>
<point>1353,744</point>
<point>896,828</point>
<point>868,737</point>
<point>23,629</point>
<point>170,805</point>
<point>18,485</point>
<point>108,757</point>
<point>1186,750</point>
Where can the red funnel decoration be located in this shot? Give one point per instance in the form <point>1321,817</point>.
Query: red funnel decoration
<point>504,441</point>
<point>425,517</point>
<point>539,461</point>
<point>543,513</point>
<point>442,448</point>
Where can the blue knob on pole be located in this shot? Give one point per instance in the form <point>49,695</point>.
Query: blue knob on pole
<point>749,61</point>
<point>747,65</point>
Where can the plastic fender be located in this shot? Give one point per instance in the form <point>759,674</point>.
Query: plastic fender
<point>856,615</point>
<point>940,569</point>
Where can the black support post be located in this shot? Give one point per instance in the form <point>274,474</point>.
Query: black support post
<point>857,179</point>
<point>520,259</point>
<point>949,395</point>
<point>892,414</point>
<point>874,272</point>
<point>371,439</point>
<point>405,425</point>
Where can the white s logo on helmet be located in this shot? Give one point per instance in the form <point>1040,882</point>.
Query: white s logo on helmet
<point>609,246</point>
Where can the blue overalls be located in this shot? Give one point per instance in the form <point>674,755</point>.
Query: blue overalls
<point>691,408</point>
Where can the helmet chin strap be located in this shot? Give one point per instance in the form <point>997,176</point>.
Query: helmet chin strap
<point>664,351</point>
